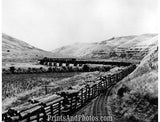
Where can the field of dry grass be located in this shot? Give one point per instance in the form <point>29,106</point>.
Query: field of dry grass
<point>135,99</point>
<point>19,88</point>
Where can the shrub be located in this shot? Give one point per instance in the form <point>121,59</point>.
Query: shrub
<point>50,69</point>
<point>85,68</point>
<point>12,69</point>
<point>19,70</point>
<point>29,70</point>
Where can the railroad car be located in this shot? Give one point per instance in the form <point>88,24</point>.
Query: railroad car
<point>58,59</point>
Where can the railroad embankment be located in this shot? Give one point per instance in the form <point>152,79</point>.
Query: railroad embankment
<point>135,98</point>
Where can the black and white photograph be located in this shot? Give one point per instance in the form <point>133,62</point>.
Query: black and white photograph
<point>79,61</point>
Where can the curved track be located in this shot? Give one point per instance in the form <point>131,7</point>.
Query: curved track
<point>97,107</point>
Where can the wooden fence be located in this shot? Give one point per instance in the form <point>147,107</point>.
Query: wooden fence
<point>66,102</point>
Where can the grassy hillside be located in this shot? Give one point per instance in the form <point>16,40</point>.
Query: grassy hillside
<point>135,99</point>
<point>102,49</point>
<point>142,40</point>
<point>15,51</point>
<point>82,50</point>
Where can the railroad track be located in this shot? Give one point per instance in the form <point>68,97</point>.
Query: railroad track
<point>97,107</point>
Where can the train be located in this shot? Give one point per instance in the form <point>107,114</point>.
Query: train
<point>58,59</point>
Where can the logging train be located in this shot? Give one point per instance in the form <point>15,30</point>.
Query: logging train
<point>66,103</point>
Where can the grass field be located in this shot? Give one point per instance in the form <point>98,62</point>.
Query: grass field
<point>13,84</point>
<point>19,88</point>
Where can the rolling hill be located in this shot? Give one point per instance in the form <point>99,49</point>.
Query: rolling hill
<point>17,51</point>
<point>102,49</point>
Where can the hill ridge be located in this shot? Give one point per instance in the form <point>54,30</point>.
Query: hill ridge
<point>91,50</point>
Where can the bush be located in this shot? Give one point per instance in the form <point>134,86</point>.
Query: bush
<point>50,69</point>
<point>86,68</point>
<point>19,70</point>
<point>12,69</point>
<point>29,70</point>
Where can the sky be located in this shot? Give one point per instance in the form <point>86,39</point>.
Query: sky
<point>50,24</point>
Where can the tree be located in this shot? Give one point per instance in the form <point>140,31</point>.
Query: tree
<point>113,54</point>
<point>29,70</point>
<point>50,69</point>
<point>123,55</point>
<point>19,70</point>
<point>85,68</point>
<point>41,69</point>
<point>12,69</point>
